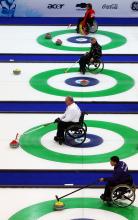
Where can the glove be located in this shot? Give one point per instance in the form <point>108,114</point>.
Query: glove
<point>101,180</point>
<point>57,120</point>
<point>92,60</point>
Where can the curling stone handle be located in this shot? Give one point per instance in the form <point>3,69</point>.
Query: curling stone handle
<point>16,136</point>
<point>57,198</point>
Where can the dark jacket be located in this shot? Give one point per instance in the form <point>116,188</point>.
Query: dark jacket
<point>120,174</point>
<point>95,51</point>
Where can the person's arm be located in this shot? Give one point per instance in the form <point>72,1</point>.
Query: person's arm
<point>93,13</point>
<point>85,18</point>
<point>91,51</point>
<point>97,52</point>
<point>114,178</point>
<point>62,116</point>
<point>117,174</point>
<point>68,116</point>
<point>89,14</point>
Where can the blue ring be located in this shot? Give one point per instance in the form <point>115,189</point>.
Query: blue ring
<point>72,81</point>
<point>95,141</point>
<point>76,40</point>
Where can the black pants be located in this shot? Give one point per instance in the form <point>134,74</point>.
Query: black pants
<point>109,186</point>
<point>83,61</point>
<point>89,21</point>
<point>61,127</point>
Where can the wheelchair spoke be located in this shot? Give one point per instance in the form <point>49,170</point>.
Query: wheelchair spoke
<point>116,199</point>
<point>128,198</point>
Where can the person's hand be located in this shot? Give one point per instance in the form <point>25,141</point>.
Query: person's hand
<point>57,120</point>
<point>91,60</point>
<point>101,180</point>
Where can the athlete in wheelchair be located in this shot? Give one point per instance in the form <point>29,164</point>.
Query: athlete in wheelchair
<point>92,57</point>
<point>70,126</point>
<point>119,188</point>
<point>87,24</point>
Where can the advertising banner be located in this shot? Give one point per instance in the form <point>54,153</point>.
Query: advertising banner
<point>67,8</point>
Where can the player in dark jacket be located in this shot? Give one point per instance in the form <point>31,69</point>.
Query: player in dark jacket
<point>120,176</point>
<point>94,54</point>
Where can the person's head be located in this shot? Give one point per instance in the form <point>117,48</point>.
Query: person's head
<point>69,100</point>
<point>89,6</point>
<point>114,160</point>
<point>93,41</point>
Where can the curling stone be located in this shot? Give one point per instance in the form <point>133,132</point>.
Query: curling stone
<point>14,144</point>
<point>59,206</point>
<point>48,36</point>
<point>16,71</point>
<point>58,42</point>
<point>84,82</point>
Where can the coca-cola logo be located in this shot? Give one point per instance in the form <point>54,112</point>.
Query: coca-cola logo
<point>110,7</point>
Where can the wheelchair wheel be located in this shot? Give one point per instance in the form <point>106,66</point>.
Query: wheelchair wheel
<point>93,28</point>
<point>96,67</point>
<point>75,135</point>
<point>85,126</point>
<point>123,195</point>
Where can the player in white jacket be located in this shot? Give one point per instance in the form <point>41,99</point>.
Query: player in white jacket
<point>70,117</point>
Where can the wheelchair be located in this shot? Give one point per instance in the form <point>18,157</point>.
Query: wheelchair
<point>93,28</point>
<point>75,135</point>
<point>123,195</point>
<point>96,66</point>
<point>89,28</point>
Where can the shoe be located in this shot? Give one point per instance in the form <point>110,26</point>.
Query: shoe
<point>56,138</point>
<point>61,141</point>
<point>83,71</point>
<point>108,199</point>
<point>102,197</point>
<point>105,199</point>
